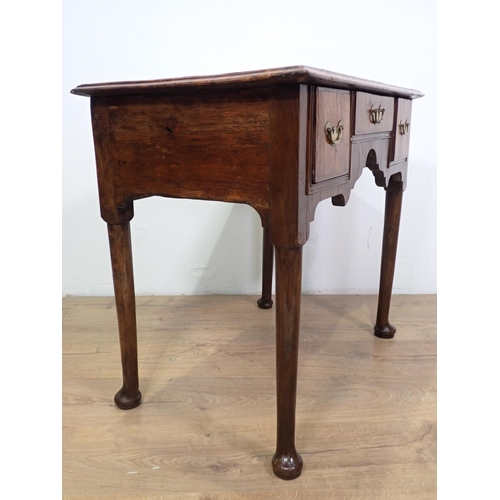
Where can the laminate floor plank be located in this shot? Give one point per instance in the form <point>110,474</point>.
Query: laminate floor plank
<point>366,407</point>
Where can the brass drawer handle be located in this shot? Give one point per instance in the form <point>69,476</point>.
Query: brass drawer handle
<point>404,127</point>
<point>334,134</point>
<point>376,115</point>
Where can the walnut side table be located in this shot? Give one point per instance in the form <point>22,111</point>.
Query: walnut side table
<point>280,140</point>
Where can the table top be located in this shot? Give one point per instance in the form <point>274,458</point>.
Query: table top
<point>243,80</point>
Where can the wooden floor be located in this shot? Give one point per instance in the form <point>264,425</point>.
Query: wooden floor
<point>366,407</point>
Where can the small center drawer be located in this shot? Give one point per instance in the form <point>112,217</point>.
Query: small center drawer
<point>374,113</point>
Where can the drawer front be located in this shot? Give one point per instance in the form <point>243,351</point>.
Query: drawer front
<point>403,121</point>
<point>374,113</point>
<point>331,137</point>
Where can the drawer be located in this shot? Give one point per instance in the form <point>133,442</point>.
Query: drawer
<point>402,134</point>
<point>374,113</point>
<point>331,134</point>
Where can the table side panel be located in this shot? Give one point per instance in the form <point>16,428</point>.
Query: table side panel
<point>213,147</point>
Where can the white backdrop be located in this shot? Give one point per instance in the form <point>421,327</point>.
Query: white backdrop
<point>197,247</point>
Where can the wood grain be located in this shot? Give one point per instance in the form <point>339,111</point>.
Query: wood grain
<point>392,217</point>
<point>289,75</point>
<point>364,103</point>
<point>238,138</point>
<point>128,396</point>
<point>289,226</point>
<point>362,145</point>
<point>330,161</point>
<point>212,147</point>
<point>287,463</point>
<point>265,301</point>
<point>366,407</point>
<point>402,142</point>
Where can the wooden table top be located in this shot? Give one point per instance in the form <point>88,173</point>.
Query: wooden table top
<point>247,79</point>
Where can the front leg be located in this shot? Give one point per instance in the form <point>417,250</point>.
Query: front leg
<point>128,396</point>
<point>393,201</point>
<point>287,463</point>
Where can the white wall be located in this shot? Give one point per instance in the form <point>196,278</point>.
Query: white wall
<point>197,247</point>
